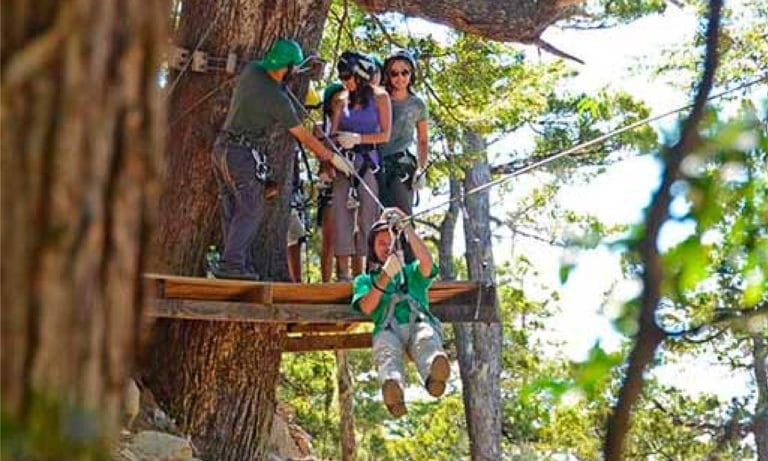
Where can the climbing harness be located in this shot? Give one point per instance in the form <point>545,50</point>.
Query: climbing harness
<point>374,196</point>
<point>545,160</point>
<point>262,170</point>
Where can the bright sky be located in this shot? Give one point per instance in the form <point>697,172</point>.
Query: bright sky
<point>617,196</point>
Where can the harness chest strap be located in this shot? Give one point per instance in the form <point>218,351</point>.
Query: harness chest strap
<point>415,314</point>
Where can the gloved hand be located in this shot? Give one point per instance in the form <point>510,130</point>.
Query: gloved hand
<point>348,140</point>
<point>342,164</point>
<point>419,179</point>
<point>392,266</point>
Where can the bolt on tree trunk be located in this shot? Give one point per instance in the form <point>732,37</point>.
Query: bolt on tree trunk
<point>82,131</point>
<point>218,379</point>
<point>478,345</point>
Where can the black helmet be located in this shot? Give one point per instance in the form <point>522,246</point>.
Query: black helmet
<point>378,226</point>
<point>356,64</point>
<point>402,55</point>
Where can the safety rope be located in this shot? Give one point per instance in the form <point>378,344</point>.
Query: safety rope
<point>579,147</point>
<point>506,178</point>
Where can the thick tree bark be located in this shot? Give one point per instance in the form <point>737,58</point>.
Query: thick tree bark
<point>218,379</point>
<point>760,420</point>
<point>346,407</point>
<point>478,345</point>
<point>82,140</point>
<point>511,20</point>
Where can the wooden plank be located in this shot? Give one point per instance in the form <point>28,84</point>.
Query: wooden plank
<point>301,313</point>
<point>236,311</point>
<point>318,327</point>
<point>214,289</point>
<point>282,293</point>
<point>328,342</point>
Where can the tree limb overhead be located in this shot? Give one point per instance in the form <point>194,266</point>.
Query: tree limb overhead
<point>507,21</point>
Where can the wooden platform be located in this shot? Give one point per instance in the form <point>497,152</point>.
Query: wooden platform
<point>318,316</point>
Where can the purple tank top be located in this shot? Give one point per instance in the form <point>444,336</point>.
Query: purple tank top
<point>360,120</point>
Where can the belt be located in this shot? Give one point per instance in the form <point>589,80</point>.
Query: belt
<point>363,148</point>
<point>241,139</point>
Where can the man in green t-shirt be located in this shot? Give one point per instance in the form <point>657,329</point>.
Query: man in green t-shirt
<point>396,296</point>
<point>259,110</point>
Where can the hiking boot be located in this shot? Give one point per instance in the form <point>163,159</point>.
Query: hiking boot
<point>220,273</point>
<point>438,375</point>
<point>393,398</point>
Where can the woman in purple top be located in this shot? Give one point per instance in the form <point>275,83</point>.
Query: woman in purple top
<point>362,119</point>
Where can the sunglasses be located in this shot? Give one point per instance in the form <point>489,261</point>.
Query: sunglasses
<point>404,73</point>
<point>345,76</point>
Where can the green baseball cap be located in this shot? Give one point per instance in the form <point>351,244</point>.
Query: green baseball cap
<point>283,53</point>
<point>332,89</point>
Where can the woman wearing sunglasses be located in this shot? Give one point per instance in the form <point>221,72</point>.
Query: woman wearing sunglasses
<point>403,171</point>
<point>362,117</point>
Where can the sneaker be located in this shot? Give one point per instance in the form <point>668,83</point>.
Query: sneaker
<point>438,375</point>
<point>393,398</point>
<point>220,273</point>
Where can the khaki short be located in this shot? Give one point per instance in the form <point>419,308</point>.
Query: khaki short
<point>296,230</point>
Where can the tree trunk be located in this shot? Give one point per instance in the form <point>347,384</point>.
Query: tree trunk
<point>218,379</point>
<point>511,20</point>
<point>760,420</point>
<point>82,141</point>
<point>346,406</point>
<point>479,346</point>
<point>447,232</point>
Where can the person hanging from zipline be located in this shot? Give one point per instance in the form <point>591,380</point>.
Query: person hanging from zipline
<point>403,172</point>
<point>259,110</point>
<point>396,296</point>
<point>361,121</point>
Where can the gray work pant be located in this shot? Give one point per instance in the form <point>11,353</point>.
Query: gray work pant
<point>344,217</point>
<point>390,345</point>
<point>394,192</point>
<point>241,197</point>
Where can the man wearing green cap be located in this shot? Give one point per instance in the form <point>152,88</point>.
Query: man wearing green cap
<point>260,110</point>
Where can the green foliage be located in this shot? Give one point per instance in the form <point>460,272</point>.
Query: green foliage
<point>743,46</point>
<point>552,407</point>
<point>53,430</point>
<point>599,14</point>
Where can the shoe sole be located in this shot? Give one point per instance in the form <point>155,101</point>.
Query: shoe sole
<point>394,399</point>
<point>438,375</point>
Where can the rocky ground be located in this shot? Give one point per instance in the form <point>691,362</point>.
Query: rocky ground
<point>150,435</point>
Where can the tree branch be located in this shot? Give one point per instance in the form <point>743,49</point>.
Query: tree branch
<point>548,47</point>
<point>386,33</point>
<point>650,336</point>
<point>508,21</point>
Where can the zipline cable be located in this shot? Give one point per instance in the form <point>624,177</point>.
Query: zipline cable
<point>577,148</point>
<point>335,148</point>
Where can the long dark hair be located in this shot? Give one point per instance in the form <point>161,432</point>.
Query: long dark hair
<point>363,94</point>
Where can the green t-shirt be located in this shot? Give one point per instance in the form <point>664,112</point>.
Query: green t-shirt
<point>405,115</point>
<point>418,288</point>
<point>259,105</point>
